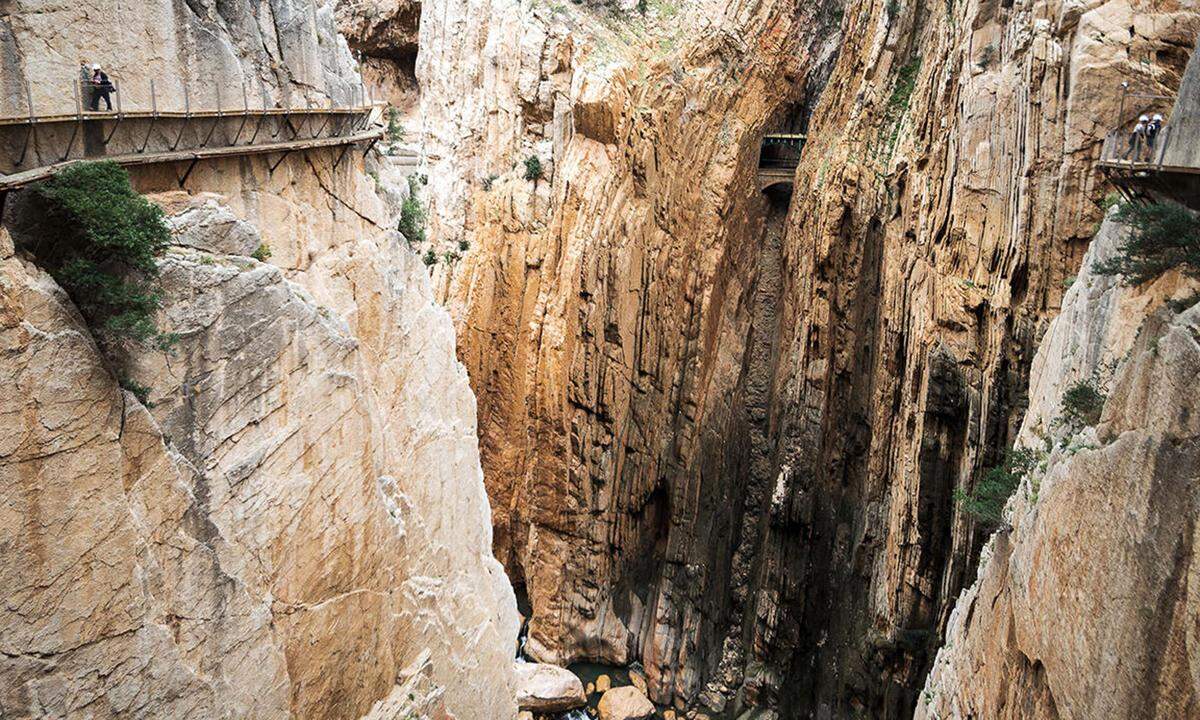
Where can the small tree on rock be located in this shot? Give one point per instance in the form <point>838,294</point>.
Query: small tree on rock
<point>1162,236</point>
<point>100,241</point>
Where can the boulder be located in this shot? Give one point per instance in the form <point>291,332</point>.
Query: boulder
<point>625,703</point>
<point>543,688</point>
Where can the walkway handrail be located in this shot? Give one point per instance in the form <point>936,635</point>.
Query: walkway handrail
<point>359,98</point>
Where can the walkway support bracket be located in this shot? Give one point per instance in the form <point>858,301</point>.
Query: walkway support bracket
<point>277,163</point>
<point>120,115</point>
<point>188,173</point>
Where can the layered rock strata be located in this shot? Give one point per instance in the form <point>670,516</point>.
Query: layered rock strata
<point>722,431</point>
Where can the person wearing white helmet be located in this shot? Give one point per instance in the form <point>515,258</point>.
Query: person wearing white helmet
<point>102,88</point>
<point>1152,129</point>
<point>1137,138</point>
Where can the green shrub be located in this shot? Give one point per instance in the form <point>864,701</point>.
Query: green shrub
<point>893,9</point>
<point>1162,237</point>
<point>533,168</point>
<point>262,252</point>
<point>985,502</point>
<point>412,213</point>
<point>140,391</point>
<point>430,257</point>
<point>906,81</point>
<point>1082,404</point>
<point>395,131</point>
<point>412,220</point>
<point>463,245</point>
<point>489,181</point>
<point>451,257</point>
<point>103,241</point>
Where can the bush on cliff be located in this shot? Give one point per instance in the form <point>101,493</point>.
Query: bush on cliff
<point>1162,237</point>
<point>1082,404</point>
<point>412,215</point>
<point>533,168</point>
<point>99,239</point>
<point>985,502</point>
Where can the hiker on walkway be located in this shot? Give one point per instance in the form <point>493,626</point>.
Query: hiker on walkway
<point>1152,129</point>
<point>102,87</point>
<point>1137,138</point>
<point>85,84</point>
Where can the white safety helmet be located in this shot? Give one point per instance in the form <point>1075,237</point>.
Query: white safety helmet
<point>1143,119</point>
<point>1157,116</point>
<point>95,66</point>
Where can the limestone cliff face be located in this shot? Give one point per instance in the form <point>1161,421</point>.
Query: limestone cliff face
<point>607,308</point>
<point>721,429</point>
<point>288,49</point>
<point>298,525</point>
<point>1087,606</point>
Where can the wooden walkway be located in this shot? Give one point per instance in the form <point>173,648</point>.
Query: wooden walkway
<point>778,158</point>
<point>16,180</point>
<point>54,137</point>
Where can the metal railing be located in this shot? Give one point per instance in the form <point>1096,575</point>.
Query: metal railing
<point>1126,149</point>
<point>81,91</point>
<point>55,138</point>
<point>780,151</point>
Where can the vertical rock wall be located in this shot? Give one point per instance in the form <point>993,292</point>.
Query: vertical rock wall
<point>297,526</point>
<point>1086,605</point>
<point>749,493</point>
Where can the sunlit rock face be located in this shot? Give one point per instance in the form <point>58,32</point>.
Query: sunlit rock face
<point>201,50</point>
<point>295,525</point>
<point>1086,606</point>
<point>722,429</point>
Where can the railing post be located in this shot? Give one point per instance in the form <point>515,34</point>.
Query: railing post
<point>187,115</point>
<point>245,115</point>
<point>153,117</point>
<point>32,133</point>
<point>77,124</point>
<point>120,115</point>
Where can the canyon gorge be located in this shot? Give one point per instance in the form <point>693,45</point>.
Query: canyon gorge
<point>546,364</point>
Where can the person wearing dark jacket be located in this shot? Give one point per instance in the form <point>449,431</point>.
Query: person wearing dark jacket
<point>102,88</point>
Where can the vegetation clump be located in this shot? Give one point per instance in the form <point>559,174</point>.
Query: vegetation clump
<point>533,168</point>
<point>412,215</point>
<point>1162,236</point>
<point>262,252</point>
<point>101,243</point>
<point>395,131</point>
<point>430,257</point>
<point>906,82</point>
<point>985,502</point>
<point>1082,403</point>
